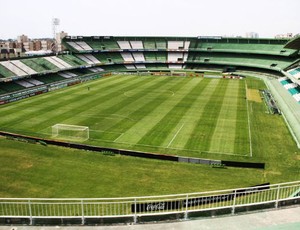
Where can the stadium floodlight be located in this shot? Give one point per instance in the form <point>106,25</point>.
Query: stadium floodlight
<point>55,24</point>
<point>70,132</point>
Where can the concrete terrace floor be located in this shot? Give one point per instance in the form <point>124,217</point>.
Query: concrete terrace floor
<point>277,219</point>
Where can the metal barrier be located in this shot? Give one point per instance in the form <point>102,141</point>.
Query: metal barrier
<point>135,208</point>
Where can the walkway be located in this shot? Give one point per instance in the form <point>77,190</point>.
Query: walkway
<point>280,219</point>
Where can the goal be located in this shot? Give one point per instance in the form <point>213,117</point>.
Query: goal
<point>70,132</point>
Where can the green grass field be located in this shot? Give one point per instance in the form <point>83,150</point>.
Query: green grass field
<point>198,117</point>
<point>188,115</point>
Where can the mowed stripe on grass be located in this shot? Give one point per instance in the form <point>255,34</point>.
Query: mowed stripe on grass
<point>136,133</point>
<point>223,137</point>
<point>48,109</point>
<point>204,128</point>
<point>144,105</point>
<point>70,112</point>
<point>194,114</point>
<point>115,109</point>
<point>242,139</point>
<point>164,131</point>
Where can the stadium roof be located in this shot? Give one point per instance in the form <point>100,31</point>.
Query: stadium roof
<point>293,43</point>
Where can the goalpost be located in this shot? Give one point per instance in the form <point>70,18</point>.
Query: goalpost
<point>178,73</point>
<point>70,132</point>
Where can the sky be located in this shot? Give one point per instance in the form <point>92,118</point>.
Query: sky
<point>149,17</point>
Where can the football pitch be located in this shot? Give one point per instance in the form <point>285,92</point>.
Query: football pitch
<point>182,115</point>
<point>222,119</point>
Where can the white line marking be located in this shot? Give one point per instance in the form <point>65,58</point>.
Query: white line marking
<point>119,137</point>
<point>127,93</point>
<point>175,135</point>
<point>103,131</point>
<point>224,153</point>
<point>189,150</point>
<point>249,128</point>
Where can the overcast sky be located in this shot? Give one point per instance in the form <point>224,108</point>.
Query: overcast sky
<point>149,17</point>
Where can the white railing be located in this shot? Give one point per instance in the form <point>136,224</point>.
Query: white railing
<point>136,207</point>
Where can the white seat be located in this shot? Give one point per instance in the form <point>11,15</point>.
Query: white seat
<point>127,57</point>
<point>124,45</point>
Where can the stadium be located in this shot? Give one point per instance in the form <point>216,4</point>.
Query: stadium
<point>213,120</point>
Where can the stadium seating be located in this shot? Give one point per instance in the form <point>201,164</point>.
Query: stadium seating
<point>291,87</point>
<point>97,44</point>
<point>127,57</point>
<point>110,45</point>
<point>175,45</point>
<point>13,68</point>
<point>80,46</point>
<point>157,67</point>
<point>262,61</point>
<point>139,57</point>
<point>175,57</point>
<point>110,57</point>
<point>130,67</point>
<point>58,62</point>
<point>72,60</point>
<point>10,87</point>
<point>96,69</point>
<point>137,44</point>
<point>24,67</point>
<point>161,56</point>
<point>34,65</point>
<point>297,97</point>
<point>67,74</point>
<point>235,45</point>
<point>84,46</point>
<point>24,83</point>
<point>295,72</point>
<point>150,56</point>
<point>161,44</point>
<point>117,67</point>
<point>49,78</point>
<point>140,66</point>
<point>90,55</point>
<point>88,58</point>
<point>4,72</point>
<point>124,44</point>
<point>149,45</point>
<point>34,81</point>
<point>135,67</point>
<point>2,91</point>
<point>174,66</point>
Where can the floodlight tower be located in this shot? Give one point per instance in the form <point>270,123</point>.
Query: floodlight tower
<point>55,24</point>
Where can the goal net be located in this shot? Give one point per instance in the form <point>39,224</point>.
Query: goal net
<point>70,132</point>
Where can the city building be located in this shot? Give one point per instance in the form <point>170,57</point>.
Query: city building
<point>252,35</point>
<point>287,35</point>
<point>59,37</point>
<point>22,38</point>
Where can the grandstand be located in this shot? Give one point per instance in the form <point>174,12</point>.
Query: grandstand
<point>92,56</point>
<point>160,53</point>
<point>198,59</point>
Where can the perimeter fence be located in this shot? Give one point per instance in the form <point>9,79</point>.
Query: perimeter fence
<point>40,211</point>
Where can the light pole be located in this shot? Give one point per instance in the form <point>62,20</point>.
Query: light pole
<point>55,24</point>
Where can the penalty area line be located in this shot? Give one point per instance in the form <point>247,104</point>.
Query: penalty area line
<point>118,137</point>
<point>175,135</point>
<point>249,123</point>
